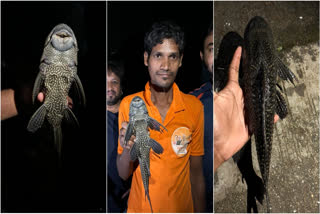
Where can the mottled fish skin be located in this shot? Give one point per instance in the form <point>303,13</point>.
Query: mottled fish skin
<point>58,71</point>
<point>262,68</point>
<point>138,126</point>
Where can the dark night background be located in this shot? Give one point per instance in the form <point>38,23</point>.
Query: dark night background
<point>32,177</point>
<point>128,22</point>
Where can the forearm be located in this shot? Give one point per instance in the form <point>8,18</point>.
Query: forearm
<point>124,164</point>
<point>197,187</point>
<point>8,106</point>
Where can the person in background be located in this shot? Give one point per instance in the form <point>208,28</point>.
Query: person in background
<point>118,190</point>
<point>205,95</point>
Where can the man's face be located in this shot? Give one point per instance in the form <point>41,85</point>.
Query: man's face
<point>163,63</point>
<point>113,88</point>
<point>207,55</point>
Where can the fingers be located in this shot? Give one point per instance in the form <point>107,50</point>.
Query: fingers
<point>276,118</point>
<point>234,66</point>
<point>70,102</point>
<point>40,97</point>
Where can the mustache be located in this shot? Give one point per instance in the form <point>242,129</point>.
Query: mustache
<point>112,92</point>
<point>164,72</point>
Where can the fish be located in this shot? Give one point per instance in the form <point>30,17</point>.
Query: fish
<point>58,72</point>
<point>262,72</point>
<point>139,123</point>
<point>243,158</point>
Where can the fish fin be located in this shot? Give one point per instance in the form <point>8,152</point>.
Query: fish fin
<point>129,132</point>
<point>70,117</point>
<point>57,133</point>
<point>79,89</point>
<point>133,153</point>
<point>37,85</point>
<point>156,147</point>
<point>37,119</point>
<point>155,125</point>
<point>281,107</point>
<point>284,72</point>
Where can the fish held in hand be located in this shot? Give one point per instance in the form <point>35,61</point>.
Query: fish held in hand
<point>58,71</point>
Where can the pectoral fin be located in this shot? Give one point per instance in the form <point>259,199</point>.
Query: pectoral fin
<point>284,72</point>
<point>79,89</point>
<point>281,107</point>
<point>37,119</point>
<point>37,85</point>
<point>153,124</point>
<point>129,132</point>
<point>156,147</point>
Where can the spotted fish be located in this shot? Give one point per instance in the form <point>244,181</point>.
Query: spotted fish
<point>58,71</point>
<point>262,69</point>
<point>139,122</point>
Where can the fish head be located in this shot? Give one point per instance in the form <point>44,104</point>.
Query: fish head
<point>137,106</point>
<point>257,23</point>
<point>62,38</point>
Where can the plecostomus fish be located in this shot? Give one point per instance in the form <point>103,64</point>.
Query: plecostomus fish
<point>58,71</point>
<point>139,122</point>
<point>262,69</point>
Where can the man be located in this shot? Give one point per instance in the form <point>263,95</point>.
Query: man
<point>117,188</point>
<point>176,182</point>
<point>204,93</point>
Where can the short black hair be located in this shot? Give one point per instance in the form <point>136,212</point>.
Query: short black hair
<point>116,65</point>
<point>164,30</point>
<point>205,35</point>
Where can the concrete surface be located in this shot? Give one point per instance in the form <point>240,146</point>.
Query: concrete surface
<point>294,172</point>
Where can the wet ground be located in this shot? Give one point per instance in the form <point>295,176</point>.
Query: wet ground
<point>294,171</point>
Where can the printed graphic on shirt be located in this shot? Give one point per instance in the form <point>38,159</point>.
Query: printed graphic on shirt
<point>179,141</point>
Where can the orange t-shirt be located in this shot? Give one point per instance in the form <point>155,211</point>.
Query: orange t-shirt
<point>169,182</point>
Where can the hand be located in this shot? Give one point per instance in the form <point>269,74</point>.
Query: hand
<point>41,98</point>
<point>123,130</point>
<point>230,130</point>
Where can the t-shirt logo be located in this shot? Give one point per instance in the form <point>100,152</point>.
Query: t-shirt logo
<point>179,140</point>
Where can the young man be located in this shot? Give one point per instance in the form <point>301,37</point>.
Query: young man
<point>204,93</point>
<point>117,188</point>
<point>176,182</point>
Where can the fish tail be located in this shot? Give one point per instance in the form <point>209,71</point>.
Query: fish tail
<point>58,139</point>
<point>268,202</point>
<point>147,194</point>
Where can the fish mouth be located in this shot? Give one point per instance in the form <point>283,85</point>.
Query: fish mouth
<point>62,38</point>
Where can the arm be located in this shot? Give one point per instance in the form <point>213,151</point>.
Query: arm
<point>124,163</point>
<point>8,106</point>
<point>197,183</point>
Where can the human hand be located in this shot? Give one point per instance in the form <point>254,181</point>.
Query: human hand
<point>230,130</point>
<point>41,98</point>
<point>123,130</point>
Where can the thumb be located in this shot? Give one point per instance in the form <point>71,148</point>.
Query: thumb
<point>234,66</point>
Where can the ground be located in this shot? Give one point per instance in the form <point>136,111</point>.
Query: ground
<point>294,172</point>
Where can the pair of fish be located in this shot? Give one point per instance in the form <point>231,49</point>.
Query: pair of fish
<point>262,70</point>
<point>58,71</point>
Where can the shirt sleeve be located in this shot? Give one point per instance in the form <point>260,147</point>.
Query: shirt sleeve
<point>123,116</point>
<point>197,147</point>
